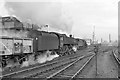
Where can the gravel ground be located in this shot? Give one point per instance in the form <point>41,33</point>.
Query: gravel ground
<point>106,67</point>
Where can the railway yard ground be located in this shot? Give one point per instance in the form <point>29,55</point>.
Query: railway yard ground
<point>80,65</point>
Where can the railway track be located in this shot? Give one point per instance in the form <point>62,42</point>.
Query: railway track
<point>39,69</point>
<point>116,58</point>
<point>17,69</point>
<point>71,73</point>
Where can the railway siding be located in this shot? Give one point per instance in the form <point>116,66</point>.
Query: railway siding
<point>106,67</point>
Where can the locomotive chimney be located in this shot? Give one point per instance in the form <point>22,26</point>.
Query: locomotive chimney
<point>70,35</point>
<point>46,25</point>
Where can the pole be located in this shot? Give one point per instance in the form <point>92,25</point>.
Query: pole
<point>96,64</point>
<point>96,51</point>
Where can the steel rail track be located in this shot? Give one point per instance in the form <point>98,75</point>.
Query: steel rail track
<point>116,57</point>
<point>36,67</point>
<point>54,67</point>
<point>74,75</point>
<point>117,60</point>
<point>24,70</point>
<point>46,70</point>
<point>78,72</point>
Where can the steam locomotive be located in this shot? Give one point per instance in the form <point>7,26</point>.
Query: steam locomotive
<point>19,42</point>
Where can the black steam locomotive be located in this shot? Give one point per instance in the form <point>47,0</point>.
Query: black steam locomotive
<point>20,41</point>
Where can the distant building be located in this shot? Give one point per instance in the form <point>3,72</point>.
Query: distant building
<point>112,43</point>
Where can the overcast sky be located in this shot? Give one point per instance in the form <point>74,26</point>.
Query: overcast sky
<point>103,14</point>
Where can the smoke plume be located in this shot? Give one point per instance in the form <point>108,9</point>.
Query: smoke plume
<point>41,13</point>
<point>42,58</point>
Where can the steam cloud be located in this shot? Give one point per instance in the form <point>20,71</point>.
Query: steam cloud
<point>40,59</point>
<point>41,13</point>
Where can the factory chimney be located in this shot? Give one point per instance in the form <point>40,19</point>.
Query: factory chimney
<point>101,40</point>
<point>93,36</point>
<point>109,38</point>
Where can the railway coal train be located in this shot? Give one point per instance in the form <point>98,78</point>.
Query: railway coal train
<point>21,42</point>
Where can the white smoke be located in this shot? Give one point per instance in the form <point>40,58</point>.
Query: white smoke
<point>41,13</point>
<point>3,11</point>
<point>28,62</point>
<point>51,57</point>
<point>74,48</point>
<point>25,64</point>
<point>42,58</point>
<point>46,57</point>
<point>31,60</point>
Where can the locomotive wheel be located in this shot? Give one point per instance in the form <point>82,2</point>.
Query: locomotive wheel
<point>72,51</point>
<point>60,54</point>
<point>53,53</point>
<point>69,53</point>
